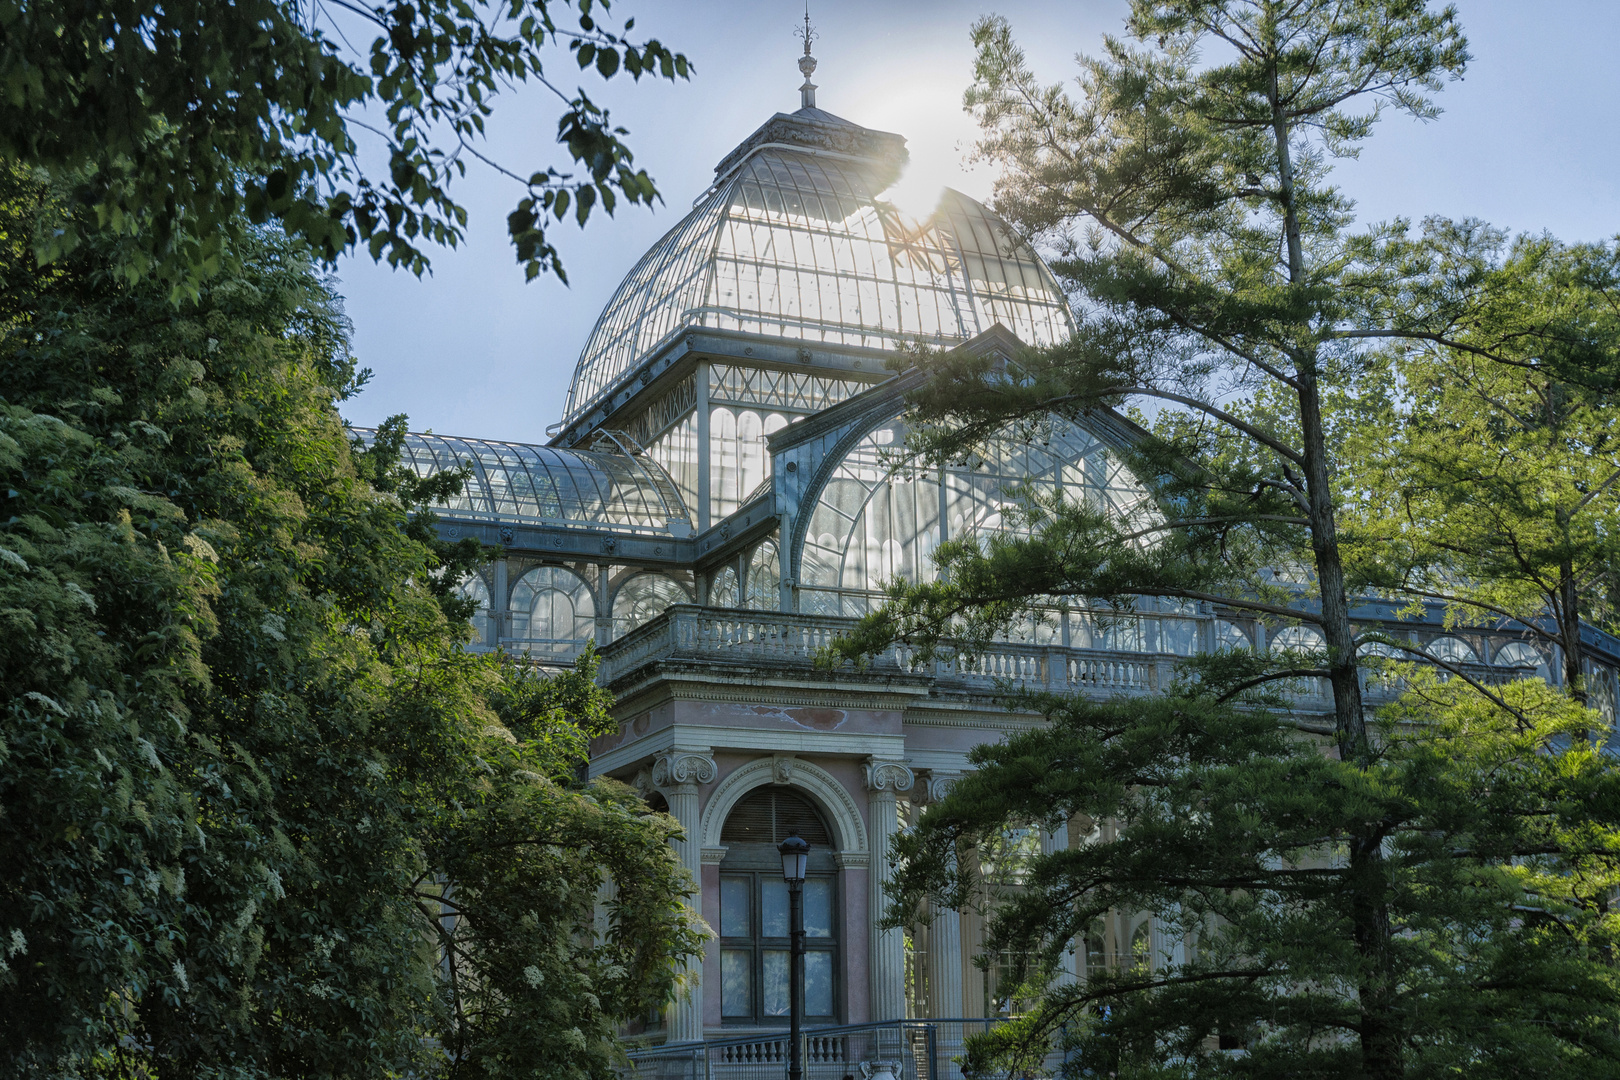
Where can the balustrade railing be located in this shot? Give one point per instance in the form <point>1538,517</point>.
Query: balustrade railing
<point>721,635</point>
<point>905,1049</point>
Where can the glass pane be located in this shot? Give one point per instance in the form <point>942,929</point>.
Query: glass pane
<point>818,907</point>
<point>734,907</point>
<point>818,984</point>
<point>736,982</point>
<point>773,907</point>
<point>776,982</point>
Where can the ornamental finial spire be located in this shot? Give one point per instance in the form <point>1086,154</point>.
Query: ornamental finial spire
<point>807,63</point>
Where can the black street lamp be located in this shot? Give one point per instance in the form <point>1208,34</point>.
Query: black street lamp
<point>795,855</point>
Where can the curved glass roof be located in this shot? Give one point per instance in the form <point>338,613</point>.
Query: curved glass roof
<point>798,245</point>
<point>547,486</point>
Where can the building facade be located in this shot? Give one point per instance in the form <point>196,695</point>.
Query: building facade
<point>722,496</point>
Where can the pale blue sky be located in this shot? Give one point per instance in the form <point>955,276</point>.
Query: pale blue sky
<point>1527,141</point>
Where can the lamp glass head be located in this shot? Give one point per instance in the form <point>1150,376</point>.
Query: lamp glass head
<point>795,856</point>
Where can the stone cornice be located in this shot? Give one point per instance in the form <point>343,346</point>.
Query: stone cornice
<point>670,739</point>
<point>694,681</point>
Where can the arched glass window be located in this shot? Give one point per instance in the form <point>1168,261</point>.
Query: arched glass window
<point>723,590</point>
<point>1096,949</point>
<point>1380,673</point>
<point>552,612</point>
<point>1298,639</point>
<point>1452,651</point>
<point>482,623</point>
<point>764,578</point>
<point>1229,636</point>
<point>738,461</point>
<point>1519,654</point>
<point>754,928</point>
<point>644,597</point>
<point>875,520</point>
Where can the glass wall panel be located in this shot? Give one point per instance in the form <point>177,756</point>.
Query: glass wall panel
<point>818,984</point>
<point>1452,651</point>
<point>876,519</point>
<point>482,623</point>
<point>1520,654</point>
<point>818,907</point>
<point>677,452</point>
<point>765,578</point>
<point>552,612</point>
<point>644,597</point>
<point>734,907</point>
<point>739,463</point>
<point>723,592</point>
<point>736,983</point>
<point>776,981</point>
<point>1299,639</point>
<point>773,908</point>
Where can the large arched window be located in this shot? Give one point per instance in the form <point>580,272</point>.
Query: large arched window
<point>723,590</point>
<point>764,578</point>
<point>876,520</point>
<point>552,612</point>
<point>738,461</point>
<point>1452,650</point>
<point>1519,654</point>
<point>643,598</point>
<point>754,928</point>
<point>1307,639</point>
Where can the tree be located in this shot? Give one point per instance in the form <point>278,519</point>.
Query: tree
<point>177,123</point>
<point>261,813</point>
<point>1500,836</point>
<point>1216,275</point>
<point>1505,477</point>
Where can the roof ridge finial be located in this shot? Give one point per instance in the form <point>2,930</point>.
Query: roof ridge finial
<point>807,63</point>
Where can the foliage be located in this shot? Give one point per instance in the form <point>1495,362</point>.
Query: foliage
<point>241,738</point>
<point>1503,855</point>
<point>175,120</point>
<point>1217,278</point>
<point>1491,486</point>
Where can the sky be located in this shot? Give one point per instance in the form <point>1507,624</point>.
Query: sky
<point>1527,141</point>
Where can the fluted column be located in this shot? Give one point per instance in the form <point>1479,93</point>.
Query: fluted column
<point>1056,838</point>
<point>677,776</point>
<point>887,963</point>
<point>944,932</point>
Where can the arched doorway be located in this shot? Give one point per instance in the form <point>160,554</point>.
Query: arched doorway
<point>754,925</point>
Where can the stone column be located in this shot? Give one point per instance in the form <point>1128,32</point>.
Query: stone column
<point>677,776</point>
<point>1056,838</point>
<point>944,934</point>
<point>887,962</point>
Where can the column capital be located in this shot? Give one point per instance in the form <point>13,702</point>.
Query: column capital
<point>938,784</point>
<point>681,768</point>
<point>887,776</point>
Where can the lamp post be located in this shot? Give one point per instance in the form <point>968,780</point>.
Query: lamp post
<point>795,855</point>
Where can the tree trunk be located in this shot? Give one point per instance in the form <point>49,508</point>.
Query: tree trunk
<point>1569,632</point>
<point>1369,910</point>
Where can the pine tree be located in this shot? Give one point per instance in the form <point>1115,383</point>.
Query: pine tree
<point>1345,904</point>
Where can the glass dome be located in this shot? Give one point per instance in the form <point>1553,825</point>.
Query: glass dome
<point>797,244</point>
<point>523,483</point>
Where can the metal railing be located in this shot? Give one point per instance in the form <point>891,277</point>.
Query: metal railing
<point>911,1050</point>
